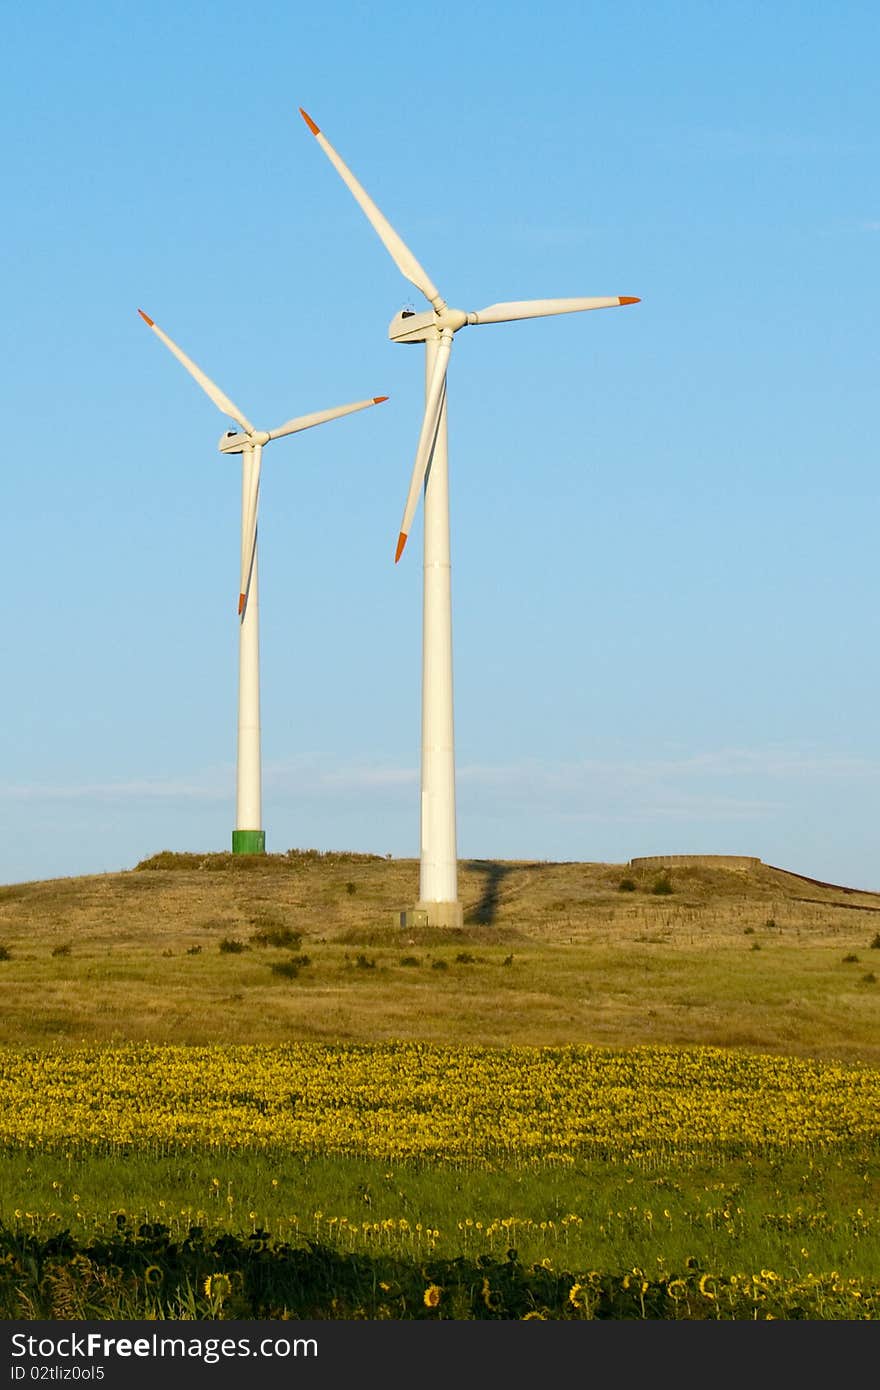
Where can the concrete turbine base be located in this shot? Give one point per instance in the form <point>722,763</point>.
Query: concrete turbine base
<point>433,915</point>
<point>442,914</point>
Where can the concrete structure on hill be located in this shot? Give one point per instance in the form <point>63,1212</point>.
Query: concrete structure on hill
<point>696,861</point>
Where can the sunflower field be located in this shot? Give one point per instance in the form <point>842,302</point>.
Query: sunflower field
<point>412,1180</point>
<point>412,1101</point>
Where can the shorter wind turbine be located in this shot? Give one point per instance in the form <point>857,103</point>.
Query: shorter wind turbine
<point>248,837</point>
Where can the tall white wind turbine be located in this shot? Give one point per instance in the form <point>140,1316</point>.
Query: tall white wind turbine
<point>438,874</point>
<point>249,837</point>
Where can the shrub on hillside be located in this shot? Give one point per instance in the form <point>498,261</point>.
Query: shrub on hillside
<point>277,936</point>
<point>170,860</point>
<point>289,969</point>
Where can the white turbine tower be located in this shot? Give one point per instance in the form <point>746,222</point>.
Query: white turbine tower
<point>438,875</point>
<point>248,837</point>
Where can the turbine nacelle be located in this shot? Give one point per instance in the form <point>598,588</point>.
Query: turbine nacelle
<point>233,443</point>
<point>409,327</point>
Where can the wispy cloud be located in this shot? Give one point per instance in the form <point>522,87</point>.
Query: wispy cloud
<point>728,782</point>
<point>771,762</point>
<point>312,775</point>
<point>325,773</point>
<point>728,762</point>
<point>144,789</point>
<point>612,790</point>
<point>735,784</point>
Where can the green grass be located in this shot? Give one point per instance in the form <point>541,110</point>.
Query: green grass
<point>795,1215</point>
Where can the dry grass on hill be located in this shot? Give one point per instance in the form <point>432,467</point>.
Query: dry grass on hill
<point>549,953</point>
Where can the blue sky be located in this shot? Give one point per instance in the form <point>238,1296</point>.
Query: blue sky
<point>664,517</point>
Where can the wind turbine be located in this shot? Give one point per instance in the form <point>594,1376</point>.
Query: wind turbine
<point>438,864</point>
<point>248,837</point>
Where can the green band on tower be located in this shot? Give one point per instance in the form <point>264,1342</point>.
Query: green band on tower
<point>248,842</point>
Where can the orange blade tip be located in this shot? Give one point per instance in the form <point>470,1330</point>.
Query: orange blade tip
<point>309,122</point>
<point>146,318</point>
<point>241,599</point>
<point>377,400</point>
<point>401,542</point>
<point>628,299</point>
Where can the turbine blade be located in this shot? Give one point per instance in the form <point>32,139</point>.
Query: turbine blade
<point>220,399</point>
<point>399,252</point>
<point>543,308</point>
<point>320,417</point>
<point>427,435</point>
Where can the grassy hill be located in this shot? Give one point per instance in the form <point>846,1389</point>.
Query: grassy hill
<point>211,948</point>
<point>402,1170</point>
